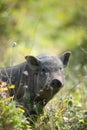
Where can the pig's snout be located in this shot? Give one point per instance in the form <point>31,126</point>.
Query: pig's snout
<point>56,83</point>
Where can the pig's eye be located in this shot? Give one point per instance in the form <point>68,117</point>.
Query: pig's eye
<point>44,70</point>
<point>61,68</point>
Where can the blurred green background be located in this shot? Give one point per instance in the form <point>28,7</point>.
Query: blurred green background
<point>42,26</point>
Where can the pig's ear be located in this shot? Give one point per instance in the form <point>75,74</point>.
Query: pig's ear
<point>65,58</point>
<point>32,60</point>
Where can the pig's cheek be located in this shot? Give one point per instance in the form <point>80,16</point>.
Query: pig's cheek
<point>42,81</point>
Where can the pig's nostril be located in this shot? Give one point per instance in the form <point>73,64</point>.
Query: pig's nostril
<point>56,83</point>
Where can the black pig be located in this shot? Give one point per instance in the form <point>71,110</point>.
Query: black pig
<point>37,80</point>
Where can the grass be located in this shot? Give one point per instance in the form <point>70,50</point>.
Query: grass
<point>67,111</point>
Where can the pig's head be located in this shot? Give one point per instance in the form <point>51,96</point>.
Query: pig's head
<point>49,75</point>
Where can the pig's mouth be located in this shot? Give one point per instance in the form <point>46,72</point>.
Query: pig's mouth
<point>48,92</point>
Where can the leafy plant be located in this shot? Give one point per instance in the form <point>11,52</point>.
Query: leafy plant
<point>11,117</point>
<point>69,116</point>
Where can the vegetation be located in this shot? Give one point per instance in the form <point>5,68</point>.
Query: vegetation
<point>50,26</point>
<point>11,117</point>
